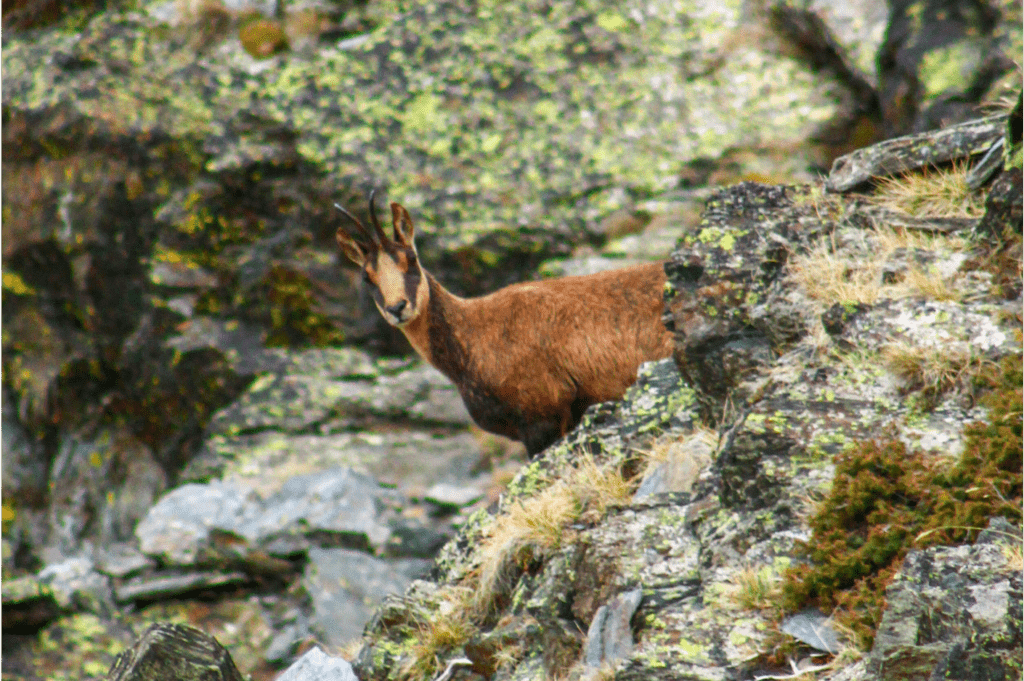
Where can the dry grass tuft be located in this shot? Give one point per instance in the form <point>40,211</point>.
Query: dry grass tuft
<point>596,487</point>
<point>931,194</point>
<point>449,629</point>
<point>528,529</point>
<point>931,284</point>
<point>848,653</point>
<point>755,588</point>
<point>854,273</point>
<point>934,370</point>
<point>1014,554</point>
<point>531,528</point>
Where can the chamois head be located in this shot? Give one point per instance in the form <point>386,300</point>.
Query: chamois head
<point>390,265</point>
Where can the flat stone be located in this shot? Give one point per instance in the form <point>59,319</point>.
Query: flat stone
<point>451,496</point>
<point>610,636</point>
<point>162,586</point>
<point>316,665</point>
<point>813,628</point>
<point>338,507</point>
<point>121,560</point>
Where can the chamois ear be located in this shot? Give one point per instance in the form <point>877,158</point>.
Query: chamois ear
<point>404,231</point>
<point>350,247</point>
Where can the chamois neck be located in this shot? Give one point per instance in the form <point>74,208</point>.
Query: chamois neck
<point>443,320</point>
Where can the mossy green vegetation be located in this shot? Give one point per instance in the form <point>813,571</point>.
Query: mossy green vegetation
<point>886,499</point>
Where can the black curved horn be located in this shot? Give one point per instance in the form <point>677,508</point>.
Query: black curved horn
<point>356,222</point>
<point>376,223</point>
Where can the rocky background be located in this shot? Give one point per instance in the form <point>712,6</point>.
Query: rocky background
<point>206,423</point>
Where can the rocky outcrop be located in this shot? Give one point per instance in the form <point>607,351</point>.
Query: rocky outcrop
<point>683,579</point>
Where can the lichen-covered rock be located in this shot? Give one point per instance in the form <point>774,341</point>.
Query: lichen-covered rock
<point>952,612</point>
<point>725,301</point>
<point>790,381</point>
<point>174,651</point>
<point>338,507</point>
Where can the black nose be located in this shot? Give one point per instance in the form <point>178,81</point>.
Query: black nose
<point>396,309</point>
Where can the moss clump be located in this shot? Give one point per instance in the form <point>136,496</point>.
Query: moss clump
<point>886,499</point>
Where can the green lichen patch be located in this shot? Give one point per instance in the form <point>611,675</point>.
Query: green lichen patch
<point>886,499</point>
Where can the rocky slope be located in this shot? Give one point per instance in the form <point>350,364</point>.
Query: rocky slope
<point>701,569</point>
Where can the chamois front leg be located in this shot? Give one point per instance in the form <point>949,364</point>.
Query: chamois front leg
<point>537,436</point>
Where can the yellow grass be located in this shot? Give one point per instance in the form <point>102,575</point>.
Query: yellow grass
<point>931,193</point>
<point>528,528</point>
<point>934,370</point>
<point>1014,554</point>
<point>853,274</point>
<point>755,588</point>
<point>534,527</point>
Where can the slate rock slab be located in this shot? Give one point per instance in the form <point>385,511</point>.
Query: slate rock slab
<point>339,506</point>
<point>346,587</point>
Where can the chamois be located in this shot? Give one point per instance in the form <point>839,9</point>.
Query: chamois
<point>527,359</point>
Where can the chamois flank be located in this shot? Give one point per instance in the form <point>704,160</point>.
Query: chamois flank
<point>529,358</point>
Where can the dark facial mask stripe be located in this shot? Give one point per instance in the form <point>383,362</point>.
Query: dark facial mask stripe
<point>412,281</point>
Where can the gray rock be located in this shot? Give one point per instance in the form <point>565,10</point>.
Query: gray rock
<point>412,539</point>
<point>336,507</point>
<point>325,389</point>
<point>177,527</point>
<point>316,665</point>
<point>813,628</point>
<point>162,586</point>
<point>412,460</point>
<point>610,636</point>
<point>346,586</point>
<point>953,612</point>
<point>76,585</point>
<point>339,503</point>
<point>288,636</point>
<point>452,497</point>
<point>121,560</point>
